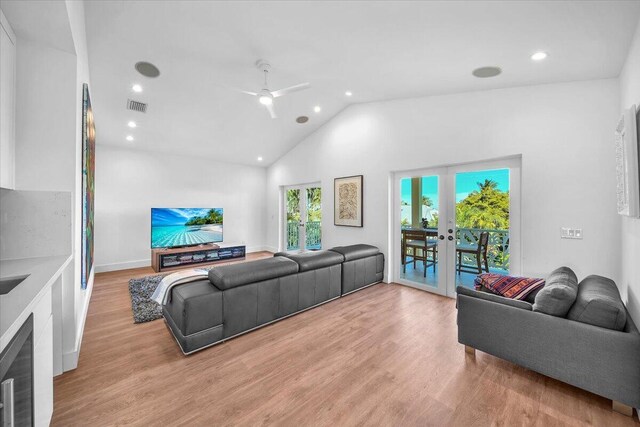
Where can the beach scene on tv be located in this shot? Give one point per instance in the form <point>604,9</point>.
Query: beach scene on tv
<point>172,227</point>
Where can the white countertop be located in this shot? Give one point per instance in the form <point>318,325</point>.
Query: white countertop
<point>16,306</point>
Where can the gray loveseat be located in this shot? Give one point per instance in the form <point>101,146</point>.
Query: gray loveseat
<point>238,298</point>
<point>580,334</point>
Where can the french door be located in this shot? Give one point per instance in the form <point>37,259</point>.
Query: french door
<point>302,218</point>
<point>453,223</point>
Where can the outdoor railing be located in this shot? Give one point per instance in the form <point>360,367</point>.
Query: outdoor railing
<point>314,235</point>
<point>497,253</point>
<point>498,250</point>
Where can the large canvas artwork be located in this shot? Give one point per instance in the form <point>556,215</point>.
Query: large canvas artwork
<point>627,164</point>
<point>88,184</point>
<point>348,201</point>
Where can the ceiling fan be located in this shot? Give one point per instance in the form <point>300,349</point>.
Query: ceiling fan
<point>266,96</point>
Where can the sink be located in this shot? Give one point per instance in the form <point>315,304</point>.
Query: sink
<point>8,283</point>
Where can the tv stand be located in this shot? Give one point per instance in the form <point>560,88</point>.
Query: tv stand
<point>165,259</point>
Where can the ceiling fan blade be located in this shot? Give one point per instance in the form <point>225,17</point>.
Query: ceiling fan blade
<point>272,112</point>
<point>290,89</point>
<point>247,92</point>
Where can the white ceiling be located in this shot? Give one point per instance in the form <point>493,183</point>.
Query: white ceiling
<point>378,50</point>
<point>45,22</point>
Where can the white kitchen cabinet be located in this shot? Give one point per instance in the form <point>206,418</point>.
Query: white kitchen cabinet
<point>43,376</point>
<point>7,103</point>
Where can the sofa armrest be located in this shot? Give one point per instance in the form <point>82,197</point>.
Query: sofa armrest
<point>602,361</point>
<point>461,290</point>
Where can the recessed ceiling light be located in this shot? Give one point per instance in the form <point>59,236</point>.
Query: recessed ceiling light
<point>539,56</point>
<point>317,109</point>
<point>259,159</point>
<point>348,93</point>
<point>132,124</point>
<point>129,138</point>
<point>484,72</point>
<point>136,88</point>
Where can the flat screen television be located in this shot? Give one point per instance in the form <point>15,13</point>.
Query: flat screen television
<point>179,227</point>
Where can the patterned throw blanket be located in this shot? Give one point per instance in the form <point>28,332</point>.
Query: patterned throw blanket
<point>508,286</point>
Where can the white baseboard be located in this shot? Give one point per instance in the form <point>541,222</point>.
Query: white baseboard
<point>123,265</point>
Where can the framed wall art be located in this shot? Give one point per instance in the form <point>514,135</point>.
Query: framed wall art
<point>348,195</point>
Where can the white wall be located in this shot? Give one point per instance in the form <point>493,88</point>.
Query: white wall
<point>45,113</point>
<point>81,297</point>
<point>130,182</point>
<point>562,131</point>
<point>49,135</point>
<point>630,232</point>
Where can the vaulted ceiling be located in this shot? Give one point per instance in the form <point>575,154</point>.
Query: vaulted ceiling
<point>377,50</point>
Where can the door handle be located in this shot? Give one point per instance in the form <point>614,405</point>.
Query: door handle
<point>441,237</point>
<point>450,238</point>
<point>301,224</point>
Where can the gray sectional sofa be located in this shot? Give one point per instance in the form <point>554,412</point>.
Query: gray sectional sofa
<point>578,333</point>
<point>238,298</point>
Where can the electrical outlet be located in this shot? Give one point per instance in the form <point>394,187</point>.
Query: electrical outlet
<point>571,233</point>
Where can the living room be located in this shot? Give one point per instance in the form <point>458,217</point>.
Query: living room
<point>260,203</point>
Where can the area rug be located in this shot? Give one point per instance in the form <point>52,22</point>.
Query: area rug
<point>141,289</point>
<point>144,309</point>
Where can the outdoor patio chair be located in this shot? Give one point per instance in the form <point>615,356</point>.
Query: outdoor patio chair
<point>479,251</point>
<point>419,246</point>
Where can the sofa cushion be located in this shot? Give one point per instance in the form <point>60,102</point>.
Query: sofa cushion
<point>314,260</point>
<point>559,293</point>
<point>598,303</point>
<point>490,296</point>
<point>356,251</point>
<point>231,276</point>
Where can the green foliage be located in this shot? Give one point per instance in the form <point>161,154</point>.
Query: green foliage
<point>486,207</point>
<point>434,221</point>
<point>427,201</point>
<point>214,216</point>
<point>314,204</point>
<point>293,205</point>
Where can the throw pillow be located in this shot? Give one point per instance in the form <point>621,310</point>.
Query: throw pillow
<point>599,303</point>
<point>558,294</point>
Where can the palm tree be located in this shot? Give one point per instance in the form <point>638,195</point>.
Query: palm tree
<point>488,184</point>
<point>427,201</point>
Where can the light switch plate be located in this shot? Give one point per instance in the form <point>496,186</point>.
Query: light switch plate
<point>571,233</point>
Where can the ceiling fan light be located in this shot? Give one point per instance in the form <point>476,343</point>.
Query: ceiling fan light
<point>265,100</point>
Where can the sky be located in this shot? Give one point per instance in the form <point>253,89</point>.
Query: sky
<point>175,216</point>
<point>466,182</point>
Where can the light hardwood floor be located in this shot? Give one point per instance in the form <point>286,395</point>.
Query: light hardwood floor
<point>387,355</point>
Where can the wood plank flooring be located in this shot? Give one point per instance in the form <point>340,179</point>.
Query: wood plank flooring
<point>387,355</point>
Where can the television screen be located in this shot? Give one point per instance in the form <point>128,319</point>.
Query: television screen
<point>172,227</point>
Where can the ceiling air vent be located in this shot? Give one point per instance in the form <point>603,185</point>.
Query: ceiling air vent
<point>136,106</point>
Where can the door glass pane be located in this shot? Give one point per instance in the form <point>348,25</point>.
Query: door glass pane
<point>419,217</point>
<point>292,207</point>
<point>482,224</point>
<point>314,219</point>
